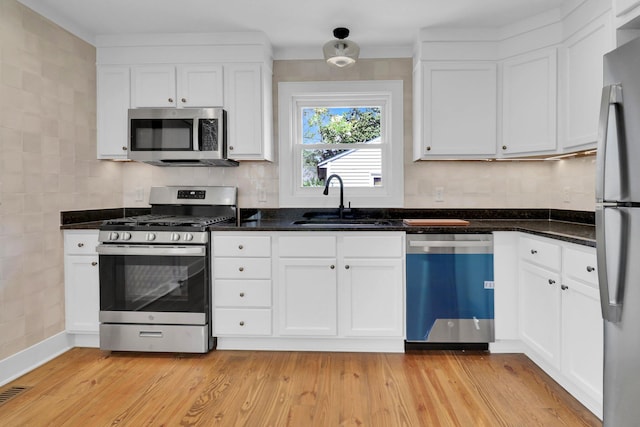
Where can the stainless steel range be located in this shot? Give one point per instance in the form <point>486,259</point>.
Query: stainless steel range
<point>155,272</point>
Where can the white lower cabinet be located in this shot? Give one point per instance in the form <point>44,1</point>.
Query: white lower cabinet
<point>560,320</point>
<point>326,291</point>
<point>82,294</point>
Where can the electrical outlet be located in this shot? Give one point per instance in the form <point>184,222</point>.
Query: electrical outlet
<point>261,192</point>
<point>439,194</point>
<point>566,195</point>
<point>139,194</point>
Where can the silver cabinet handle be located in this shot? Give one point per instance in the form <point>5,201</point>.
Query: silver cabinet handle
<point>590,269</point>
<point>533,251</point>
<point>552,282</point>
<point>94,263</point>
<point>564,287</point>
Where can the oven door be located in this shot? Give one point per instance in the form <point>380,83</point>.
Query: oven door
<point>154,284</point>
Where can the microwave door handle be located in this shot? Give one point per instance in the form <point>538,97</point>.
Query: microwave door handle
<point>196,135</point>
<point>611,95</point>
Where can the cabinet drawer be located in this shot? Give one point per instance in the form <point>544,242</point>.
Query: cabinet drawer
<point>80,243</point>
<point>580,265</point>
<point>542,253</point>
<point>242,246</point>
<point>242,293</point>
<point>380,246</point>
<point>307,246</point>
<point>242,268</point>
<point>242,321</point>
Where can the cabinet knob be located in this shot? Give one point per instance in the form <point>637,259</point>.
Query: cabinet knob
<point>241,294</point>
<point>564,287</point>
<point>346,267</point>
<point>231,147</point>
<point>170,100</point>
<point>80,244</point>
<point>240,247</point>
<point>552,282</point>
<point>124,148</point>
<point>504,147</point>
<point>184,100</point>
<point>94,263</point>
<point>533,252</point>
<point>332,266</point>
<point>242,323</point>
<point>241,269</point>
<point>590,269</point>
<point>428,148</point>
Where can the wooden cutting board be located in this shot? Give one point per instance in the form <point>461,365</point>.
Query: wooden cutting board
<point>436,222</point>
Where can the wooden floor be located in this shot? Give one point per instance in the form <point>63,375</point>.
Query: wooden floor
<point>87,387</point>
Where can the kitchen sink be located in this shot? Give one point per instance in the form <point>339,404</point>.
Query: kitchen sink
<point>342,222</point>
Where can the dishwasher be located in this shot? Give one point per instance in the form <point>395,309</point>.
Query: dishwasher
<point>449,289</point>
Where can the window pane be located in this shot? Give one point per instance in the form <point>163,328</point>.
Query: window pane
<point>340,125</point>
<point>357,168</point>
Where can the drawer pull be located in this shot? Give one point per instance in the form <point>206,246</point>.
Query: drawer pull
<point>552,282</point>
<point>240,247</point>
<point>94,263</point>
<point>590,269</point>
<point>241,269</point>
<point>347,267</point>
<point>533,251</point>
<point>332,266</point>
<point>241,294</point>
<point>80,244</point>
<point>564,287</point>
<point>242,323</point>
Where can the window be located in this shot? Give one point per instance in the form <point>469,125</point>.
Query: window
<point>352,129</point>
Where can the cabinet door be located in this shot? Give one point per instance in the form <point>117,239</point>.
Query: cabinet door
<point>582,337</point>
<point>307,297</point>
<point>458,110</point>
<point>583,75</point>
<point>153,86</point>
<point>540,313</point>
<point>245,103</point>
<point>371,297</point>
<point>82,295</point>
<point>112,105</point>
<point>200,86</point>
<point>529,104</point>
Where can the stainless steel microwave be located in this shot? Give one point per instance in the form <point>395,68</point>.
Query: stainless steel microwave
<point>179,136</point>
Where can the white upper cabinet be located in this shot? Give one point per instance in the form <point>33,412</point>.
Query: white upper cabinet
<point>249,111</point>
<point>112,105</point>
<point>582,76</point>
<point>455,110</point>
<point>179,86</point>
<point>529,102</point>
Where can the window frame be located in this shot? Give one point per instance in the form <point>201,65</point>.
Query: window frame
<point>293,96</point>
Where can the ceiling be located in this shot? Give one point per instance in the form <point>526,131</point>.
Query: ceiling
<point>290,25</point>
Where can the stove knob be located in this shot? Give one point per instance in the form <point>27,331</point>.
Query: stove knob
<point>188,237</point>
<point>113,235</point>
<point>175,237</point>
<point>126,236</point>
<point>151,236</point>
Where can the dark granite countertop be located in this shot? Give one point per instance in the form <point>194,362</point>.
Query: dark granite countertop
<point>570,226</point>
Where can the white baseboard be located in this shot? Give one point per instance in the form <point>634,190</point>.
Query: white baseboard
<point>30,358</point>
<point>506,346</point>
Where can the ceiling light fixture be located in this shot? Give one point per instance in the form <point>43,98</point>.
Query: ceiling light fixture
<point>340,52</point>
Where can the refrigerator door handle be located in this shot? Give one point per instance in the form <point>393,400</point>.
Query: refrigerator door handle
<point>611,95</point>
<point>611,308</point>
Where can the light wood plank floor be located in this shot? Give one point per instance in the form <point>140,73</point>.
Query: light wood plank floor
<point>87,387</point>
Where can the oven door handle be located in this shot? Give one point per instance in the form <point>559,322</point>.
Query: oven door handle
<point>151,250</point>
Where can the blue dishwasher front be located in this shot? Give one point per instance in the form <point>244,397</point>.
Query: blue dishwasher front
<point>450,288</point>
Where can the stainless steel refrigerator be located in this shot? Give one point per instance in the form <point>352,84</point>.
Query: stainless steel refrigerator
<point>618,233</point>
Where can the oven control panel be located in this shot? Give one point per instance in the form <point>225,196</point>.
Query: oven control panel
<point>192,194</point>
<point>166,237</point>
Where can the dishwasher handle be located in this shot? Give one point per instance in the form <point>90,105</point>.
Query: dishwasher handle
<point>443,245</point>
<point>450,243</point>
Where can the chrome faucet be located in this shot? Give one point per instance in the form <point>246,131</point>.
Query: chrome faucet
<point>326,192</point>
